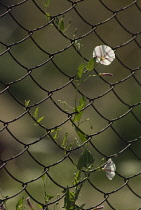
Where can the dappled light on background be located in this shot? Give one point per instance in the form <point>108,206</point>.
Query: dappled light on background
<point>70,104</point>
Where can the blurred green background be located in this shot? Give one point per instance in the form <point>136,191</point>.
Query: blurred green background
<point>122,33</point>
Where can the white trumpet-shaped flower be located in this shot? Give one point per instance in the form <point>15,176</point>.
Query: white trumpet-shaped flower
<point>110,169</point>
<point>104,54</point>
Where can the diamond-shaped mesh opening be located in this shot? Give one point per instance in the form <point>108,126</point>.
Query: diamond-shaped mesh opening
<point>42,44</point>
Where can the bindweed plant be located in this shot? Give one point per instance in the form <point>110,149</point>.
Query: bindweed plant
<point>102,55</point>
<point>85,166</point>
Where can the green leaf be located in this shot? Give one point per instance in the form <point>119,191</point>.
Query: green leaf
<point>86,160</point>
<point>35,115</point>
<point>61,24</point>
<point>19,205</point>
<point>81,135</point>
<point>40,206</point>
<point>90,64</point>
<point>40,119</point>
<point>82,104</point>
<point>80,70</point>
<point>46,3</point>
<point>52,131</point>
<point>57,20</point>
<point>78,116</point>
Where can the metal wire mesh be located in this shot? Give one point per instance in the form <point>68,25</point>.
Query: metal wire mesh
<point>39,57</point>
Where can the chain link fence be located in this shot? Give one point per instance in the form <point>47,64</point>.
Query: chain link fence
<point>58,131</point>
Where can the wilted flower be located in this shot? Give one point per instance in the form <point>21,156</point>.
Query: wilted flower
<point>99,207</point>
<point>103,54</point>
<point>105,74</point>
<point>2,207</point>
<point>110,169</point>
<point>29,204</point>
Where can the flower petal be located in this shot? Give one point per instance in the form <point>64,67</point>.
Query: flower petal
<point>110,175</point>
<point>98,52</point>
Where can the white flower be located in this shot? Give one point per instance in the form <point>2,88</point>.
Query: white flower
<point>103,54</point>
<point>110,169</point>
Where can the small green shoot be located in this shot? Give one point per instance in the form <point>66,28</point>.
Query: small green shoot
<point>40,119</point>
<point>77,177</point>
<point>46,3</point>
<point>56,133</point>
<point>27,103</point>
<point>61,24</point>
<point>47,197</point>
<point>64,142</point>
<point>69,200</point>
<point>36,117</point>
<point>80,71</point>
<point>20,205</point>
<point>48,16</point>
<point>71,197</point>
